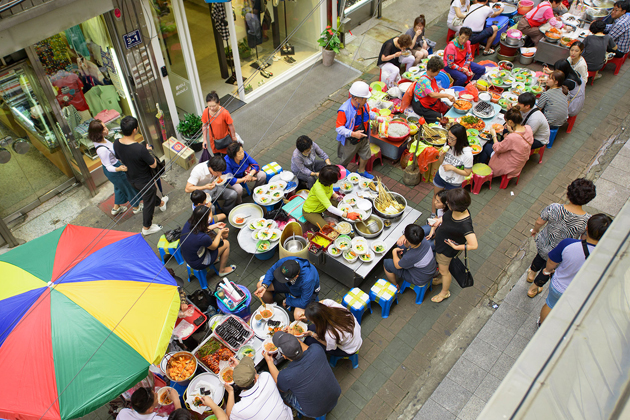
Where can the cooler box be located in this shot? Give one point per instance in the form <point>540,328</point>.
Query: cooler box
<point>183,155</point>
<point>502,22</point>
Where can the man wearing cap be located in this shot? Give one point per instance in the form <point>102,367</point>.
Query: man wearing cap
<point>308,384</point>
<point>353,128</point>
<point>296,278</point>
<point>260,398</point>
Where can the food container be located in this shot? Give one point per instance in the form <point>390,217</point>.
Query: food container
<point>220,353</point>
<point>233,332</point>
<point>462,110</point>
<point>343,242</point>
<point>350,256</point>
<point>400,200</point>
<point>394,125</point>
<point>191,366</point>
<point>485,97</point>
<point>269,347</point>
<point>363,229</point>
<point>525,6</point>
<point>162,393</point>
<point>246,351</point>
<point>295,326</point>
<point>378,247</point>
<point>295,244</point>
<point>526,60</point>
<point>226,375</point>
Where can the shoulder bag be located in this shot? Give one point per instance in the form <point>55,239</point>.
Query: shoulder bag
<point>460,270</point>
<point>457,21</point>
<point>219,143</point>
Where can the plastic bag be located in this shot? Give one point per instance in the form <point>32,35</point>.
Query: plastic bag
<point>205,155</point>
<point>408,97</point>
<point>472,89</point>
<point>427,157</point>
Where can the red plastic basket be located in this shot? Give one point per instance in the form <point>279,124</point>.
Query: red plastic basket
<point>399,138</point>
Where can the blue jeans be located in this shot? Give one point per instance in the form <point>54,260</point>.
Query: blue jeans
<point>427,230</point>
<point>290,400</point>
<point>460,79</point>
<point>553,296</point>
<point>123,190</point>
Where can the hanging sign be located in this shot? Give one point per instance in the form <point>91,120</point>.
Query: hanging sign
<point>132,39</point>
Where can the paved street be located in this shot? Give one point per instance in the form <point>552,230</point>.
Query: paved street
<point>406,356</point>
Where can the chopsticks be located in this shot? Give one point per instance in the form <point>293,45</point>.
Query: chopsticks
<point>263,303</point>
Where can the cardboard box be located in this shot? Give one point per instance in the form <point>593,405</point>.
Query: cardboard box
<point>431,171</point>
<point>177,151</point>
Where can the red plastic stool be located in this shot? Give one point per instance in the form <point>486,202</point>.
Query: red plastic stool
<point>474,50</point>
<point>449,35</point>
<point>505,181</point>
<point>376,154</point>
<point>571,121</point>
<point>618,62</point>
<point>540,152</point>
<point>591,75</point>
<point>480,174</point>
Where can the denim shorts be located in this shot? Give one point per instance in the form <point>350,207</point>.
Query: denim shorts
<point>553,296</point>
<point>440,183</point>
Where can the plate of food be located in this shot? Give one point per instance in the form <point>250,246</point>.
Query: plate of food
<point>275,235</point>
<point>240,219</point>
<point>344,228</point>
<point>269,347</point>
<point>226,375</point>
<point>263,246</point>
<point>221,180</point>
<point>163,396</point>
<point>246,351</point>
<point>367,184</point>
<point>496,81</point>
<point>536,90</point>
<point>277,194</point>
<point>265,199</point>
<point>367,257</point>
<point>350,200</point>
<point>354,178</point>
<point>378,247</point>
<point>181,366</point>
<point>261,190</point>
<point>461,107</point>
<point>343,242</point>
<point>275,186</point>
<point>271,316</point>
<point>346,187</point>
<point>333,251</point>
<point>498,128</point>
<point>360,245</point>
<point>258,223</point>
<point>264,234</point>
<point>350,256</point>
<point>344,207</point>
<point>470,121</point>
<point>297,328</point>
<point>476,149</point>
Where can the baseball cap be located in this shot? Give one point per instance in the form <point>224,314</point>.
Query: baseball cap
<point>288,344</point>
<point>287,271</point>
<point>245,372</point>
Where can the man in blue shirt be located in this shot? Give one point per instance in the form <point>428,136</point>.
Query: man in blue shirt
<point>296,278</point>
<point>566,259</point>
<point>618,27</point>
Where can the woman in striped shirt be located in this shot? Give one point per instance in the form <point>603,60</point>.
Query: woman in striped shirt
<point>560,221</point>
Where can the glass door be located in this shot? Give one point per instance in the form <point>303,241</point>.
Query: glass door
<point>170,17</point>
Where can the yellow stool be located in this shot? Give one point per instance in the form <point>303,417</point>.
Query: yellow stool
<point>171,248</point>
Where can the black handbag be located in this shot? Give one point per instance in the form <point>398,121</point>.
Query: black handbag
<point>460,271</point>
<point>173,235</point>
<point>219,143</point>
<point>159,168</point>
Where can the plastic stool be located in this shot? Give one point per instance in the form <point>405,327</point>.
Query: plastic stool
<point>271,169</point>
<point>170,248</point>
<point>318,418</point>
<point>354,359</point>
<point>505,181</point>
<point>552,137</point>
<point>540,152</point>
<point>571,121</point>
<point>420,290</point>
<point>357,302</point>
<point>474,50</point>
<point>449,35</point>
<point>591,75</point>
<point>468,181</point>
<point>618,62</point>
<point>201,275</point>
<point>384,293</point>
<point>481,173</point>
<point>375,150</point>
<point>244,184</point>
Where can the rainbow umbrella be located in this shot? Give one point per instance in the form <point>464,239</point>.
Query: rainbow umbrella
<point>83,313</point>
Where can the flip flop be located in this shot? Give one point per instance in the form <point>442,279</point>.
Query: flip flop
<point>437,298</point>
<point>489,52</point>
<point>538,291</point>
<point>233,267</point>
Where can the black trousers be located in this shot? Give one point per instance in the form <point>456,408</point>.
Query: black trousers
<point>150,199</point>
<point>536,144</point>
<point>310,180</point>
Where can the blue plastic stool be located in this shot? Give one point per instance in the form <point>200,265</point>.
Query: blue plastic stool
<point>318,418</point>
<point>354,359</point>
<point>271,169</point>
<point>552,137</point>
<point>420,290</point>
<point>201,275</point>
<point>357,302</point>
<point>384,293</point>
<point>170,248</point>
<point>244,184</point>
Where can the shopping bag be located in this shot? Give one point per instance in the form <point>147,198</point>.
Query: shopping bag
<point>205,156</point>
<point>460,271</point>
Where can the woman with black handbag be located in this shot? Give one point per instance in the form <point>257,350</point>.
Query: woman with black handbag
<point>454,234</point>
<point>218,127</point>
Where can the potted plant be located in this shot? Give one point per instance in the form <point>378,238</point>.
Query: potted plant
<point>190,129</point>
<point>329,40</point>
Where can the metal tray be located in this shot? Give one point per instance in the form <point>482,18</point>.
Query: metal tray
<point>243,324</point>
<point>253,210</point>
<point>279,314</point>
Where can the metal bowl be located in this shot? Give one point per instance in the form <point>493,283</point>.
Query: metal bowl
<point>364,231</point>
<point>551,40</point>
<point>398,198</point>
<point>295,243</point>
<point>432,140</point>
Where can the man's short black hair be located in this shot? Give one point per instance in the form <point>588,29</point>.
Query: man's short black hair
<point>329,175</point>
<point>217,163</point>
<point>142,399</point>
<point>527,99</point>
<point>597,225</point>
<point>623,5</point>
<point>458,199</point>
<point>127,125</point>
<point>198,197</point>
<point>598,26</point>
<point>414,234</point>
<point>303,143</point>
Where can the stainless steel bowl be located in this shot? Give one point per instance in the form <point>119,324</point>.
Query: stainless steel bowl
<point>295,243</point>
<point>513,42</point>
<point>398,198</point>
<point>364,230</point>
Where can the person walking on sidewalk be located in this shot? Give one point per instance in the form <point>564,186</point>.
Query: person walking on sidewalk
<point>566,259</point>
<point>353,128</point>
<point>560,221</point>
<point>139,163</point>
<point>113,170</point>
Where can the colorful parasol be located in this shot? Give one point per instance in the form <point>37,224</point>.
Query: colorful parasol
<point>83,313</point>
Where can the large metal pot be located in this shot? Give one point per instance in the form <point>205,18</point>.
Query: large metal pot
<point>295,244</point>
<point>398,198</point>
<point>362,228</point>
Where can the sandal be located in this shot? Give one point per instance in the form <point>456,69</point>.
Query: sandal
<point>489,52</point>
<point>529,270</point>
<point>233,267</point>
<point>437,298</point>
<point>537,292</point>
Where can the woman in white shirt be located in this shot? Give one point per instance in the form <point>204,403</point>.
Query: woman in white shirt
<point>334,327</point>
<point>459,8</point>
<point>114,170</point>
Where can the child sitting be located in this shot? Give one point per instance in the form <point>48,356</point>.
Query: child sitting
<point>429,228</point>
<point>215,221</point>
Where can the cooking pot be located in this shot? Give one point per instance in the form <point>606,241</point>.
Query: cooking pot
<point>525,6</point>
<point>513,37</point>
<point>510,50</point>
<point>295,244</point>
<point>370,228</point>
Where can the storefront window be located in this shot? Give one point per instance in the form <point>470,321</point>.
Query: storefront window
<point>80,66</point>
<point>255,30</point>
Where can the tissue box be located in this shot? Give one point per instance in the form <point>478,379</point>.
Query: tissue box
<point>179,152</point>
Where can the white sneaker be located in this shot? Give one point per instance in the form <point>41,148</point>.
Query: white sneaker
<point>154,228</point>
<point>139,210</point>
<point>119,210</point>
<point>165,200</point>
